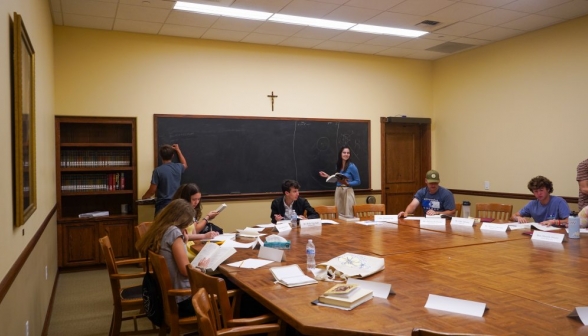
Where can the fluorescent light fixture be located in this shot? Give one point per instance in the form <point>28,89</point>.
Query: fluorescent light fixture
<point>388,31</point>
<point>305,21</point>
<point>222,11</point>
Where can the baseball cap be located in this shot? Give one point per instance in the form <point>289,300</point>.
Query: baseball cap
<point>432,176</point>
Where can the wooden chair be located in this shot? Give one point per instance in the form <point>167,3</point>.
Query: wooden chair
<point>142,228</point>
<point>494,210</point>
<point>125,298</point>
<point>366,210</point>
<point>326,211</point>
<point>176,324</point>
<point>457,210</point>
<point>224,310</point>
<point>207,325</point>
<point>425,332</point>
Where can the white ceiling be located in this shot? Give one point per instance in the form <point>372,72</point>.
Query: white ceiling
<point>463,24</point>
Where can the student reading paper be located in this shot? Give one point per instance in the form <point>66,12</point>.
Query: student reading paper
<point>347,179</point>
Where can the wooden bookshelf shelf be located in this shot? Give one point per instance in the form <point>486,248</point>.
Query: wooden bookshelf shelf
<point>96,165</point>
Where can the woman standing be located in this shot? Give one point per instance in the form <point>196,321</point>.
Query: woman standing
<point>166,237</point>
<point>202,227</point>
<point>344,195</point>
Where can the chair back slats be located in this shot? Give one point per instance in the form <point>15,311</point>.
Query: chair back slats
<point>204,308</point>
<point>457,210</point>
<point>494,210</point>
<point>366,210</point>
<point>170,307</point>
<point>326,211</point>
<point>222,310</point>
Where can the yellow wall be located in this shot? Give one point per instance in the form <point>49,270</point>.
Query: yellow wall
<point>28,297</point>
<point>512,110</point>
<point>107,73</point>
<point>500,112</point>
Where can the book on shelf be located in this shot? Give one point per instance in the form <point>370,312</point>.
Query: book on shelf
<point>291,276</point>
<point>356,297</point>
<point>336,178</point>
<point>216,254</point>
<point>94,214</point>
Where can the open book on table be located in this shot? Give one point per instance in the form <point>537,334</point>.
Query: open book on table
<point>336,177</point>
<point>217,254</point>
<point>291,276</point>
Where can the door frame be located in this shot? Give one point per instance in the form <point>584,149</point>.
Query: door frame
<point>425,129</point>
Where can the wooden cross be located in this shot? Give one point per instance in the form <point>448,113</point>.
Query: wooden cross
<point>272,96</point>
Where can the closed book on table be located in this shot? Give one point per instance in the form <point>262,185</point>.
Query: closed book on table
<point>359,296</point>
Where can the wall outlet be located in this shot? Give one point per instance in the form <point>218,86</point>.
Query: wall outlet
<point>27,328</point>
<point>46,273</point>
<point>486,185</point>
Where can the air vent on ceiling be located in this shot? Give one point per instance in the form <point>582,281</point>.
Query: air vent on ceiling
<point>450,47</point>
<point>430,23</point>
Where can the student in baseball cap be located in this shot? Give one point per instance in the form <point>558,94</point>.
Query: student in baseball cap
<point>434,199</point>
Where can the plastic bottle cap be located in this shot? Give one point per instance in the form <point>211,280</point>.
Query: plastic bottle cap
<point>466,203</point>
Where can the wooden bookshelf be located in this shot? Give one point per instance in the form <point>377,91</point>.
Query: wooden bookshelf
<point>96,166</point>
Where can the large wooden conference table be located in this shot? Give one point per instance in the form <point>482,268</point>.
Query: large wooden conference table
<point>528,287</point>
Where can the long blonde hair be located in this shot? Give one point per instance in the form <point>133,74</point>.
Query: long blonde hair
<point>178,213</point>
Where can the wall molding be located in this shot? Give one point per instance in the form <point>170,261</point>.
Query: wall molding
<point>20,261</point>
<point>505,195</point>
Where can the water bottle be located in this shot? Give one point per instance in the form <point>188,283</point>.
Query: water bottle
<point>293,219</point>
<point>465,209</point>
<point>573,227</point>
<point>310,253</point>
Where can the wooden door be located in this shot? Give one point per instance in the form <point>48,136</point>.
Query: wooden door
<point>406,158</point>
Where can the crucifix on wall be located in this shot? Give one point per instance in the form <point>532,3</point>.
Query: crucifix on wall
<point>272,96</point>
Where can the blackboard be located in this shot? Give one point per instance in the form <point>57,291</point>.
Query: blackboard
<point>238,155</point>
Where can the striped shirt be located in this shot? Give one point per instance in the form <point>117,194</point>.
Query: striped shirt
<point>582,175</point>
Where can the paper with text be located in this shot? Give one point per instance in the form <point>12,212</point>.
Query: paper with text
<point>433,221</point>
<point>548,236</point>
<point>462,221</point>
<point>386,218</point>
<point>494,227</point>
<point>215,253</point>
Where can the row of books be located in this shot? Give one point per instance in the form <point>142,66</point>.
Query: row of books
<point>95,158</point>
<point>93,182</point>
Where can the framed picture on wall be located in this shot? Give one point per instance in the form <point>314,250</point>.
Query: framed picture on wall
<point>23,124</point>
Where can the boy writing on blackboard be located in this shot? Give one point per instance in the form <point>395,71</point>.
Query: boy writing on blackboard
<point>166,178</point>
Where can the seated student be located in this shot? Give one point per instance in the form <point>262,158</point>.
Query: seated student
<point>166,237</point>
<point>282,206</point>
<point>201,228</point>
<point>546,209</point>
<point>434,199</point>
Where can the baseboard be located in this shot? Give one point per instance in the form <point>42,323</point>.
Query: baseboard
<point>50,307</point>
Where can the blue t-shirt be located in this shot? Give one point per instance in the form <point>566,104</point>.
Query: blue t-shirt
<point>440,201</point>
<point>556,208</point>
<point>352,175</point>
<point>167,177</point>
